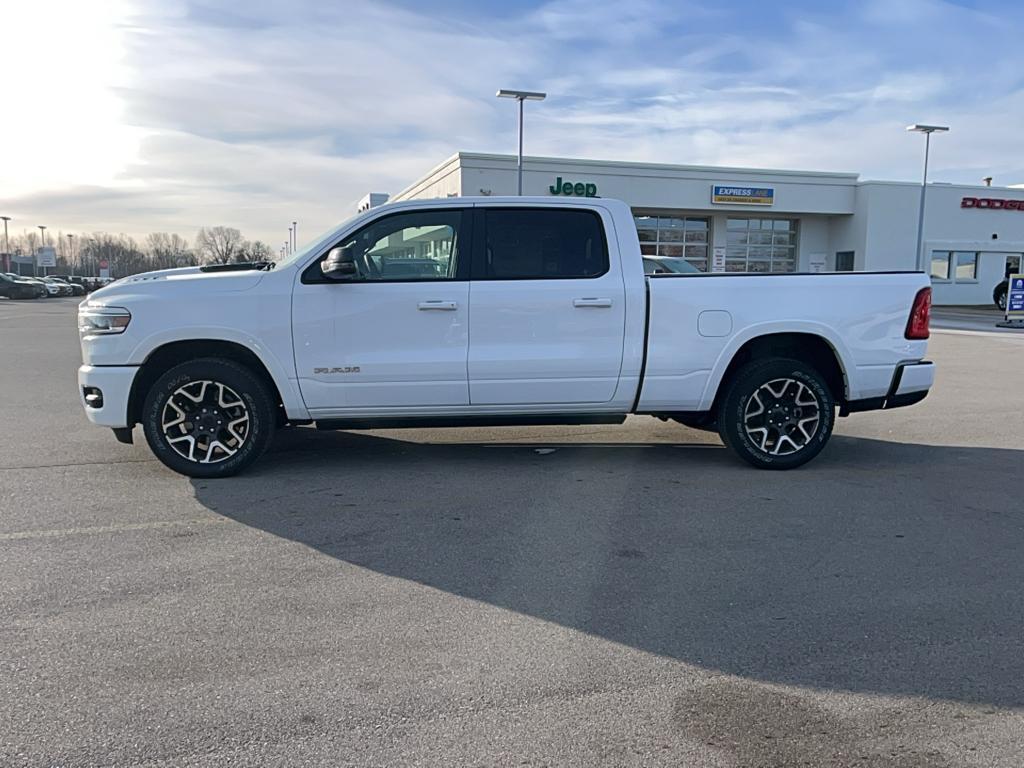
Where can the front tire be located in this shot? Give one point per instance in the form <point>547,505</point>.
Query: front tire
<point>208,418</point>
<point>776,414</point>
<point>1000,297</point>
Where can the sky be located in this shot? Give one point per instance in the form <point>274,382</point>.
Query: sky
<point>138,116</point>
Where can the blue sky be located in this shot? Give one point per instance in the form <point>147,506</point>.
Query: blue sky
<point>167,115</point>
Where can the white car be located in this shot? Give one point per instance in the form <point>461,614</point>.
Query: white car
<point>493,311</point>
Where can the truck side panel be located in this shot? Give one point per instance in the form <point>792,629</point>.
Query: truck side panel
<point>698,323</point>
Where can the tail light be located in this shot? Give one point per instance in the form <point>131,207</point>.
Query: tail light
<point>920,315</point>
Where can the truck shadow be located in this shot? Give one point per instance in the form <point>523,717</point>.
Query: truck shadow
<point>880,568</point>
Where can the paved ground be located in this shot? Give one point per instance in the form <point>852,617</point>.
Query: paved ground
<point>970,319</point>
<point>633,597</point>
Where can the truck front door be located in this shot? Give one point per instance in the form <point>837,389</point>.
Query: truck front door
<point>395,335</point>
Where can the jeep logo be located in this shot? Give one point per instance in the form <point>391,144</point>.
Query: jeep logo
<point>578,189</point>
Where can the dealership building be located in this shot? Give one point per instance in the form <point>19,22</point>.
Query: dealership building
<point>756,220</point>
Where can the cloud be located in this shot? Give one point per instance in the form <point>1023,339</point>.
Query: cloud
<point>202,113</point>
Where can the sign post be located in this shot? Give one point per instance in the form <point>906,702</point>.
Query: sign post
<point>1014,303</point>
<point>104,268</point>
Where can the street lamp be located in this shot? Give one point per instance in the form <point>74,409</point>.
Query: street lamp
<point>71,252</point>
<point>7,245</point>
<point>42,242</point>
<point>521,96</point>
<point>295,235</point>
<point>289,240</point>
<point>927,130</point>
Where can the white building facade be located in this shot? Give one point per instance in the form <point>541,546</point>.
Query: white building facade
<point>756,220</point>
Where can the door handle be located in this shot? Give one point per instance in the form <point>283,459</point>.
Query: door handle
<point>443,306</point>
<point>599,303</point>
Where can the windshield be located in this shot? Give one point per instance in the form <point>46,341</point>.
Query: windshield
<point>318,243</point>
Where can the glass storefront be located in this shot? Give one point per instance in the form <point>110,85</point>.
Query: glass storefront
<point>675,236</point>
<point>760,245</point>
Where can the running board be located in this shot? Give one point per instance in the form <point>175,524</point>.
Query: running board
<point>440,422</point>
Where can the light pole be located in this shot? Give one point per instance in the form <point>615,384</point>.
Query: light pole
<point>71,252</point>
<point>42,242</point>
<point>521,96</point>
<point>295,235</point>
<point>7,246</point>
<point>927,130</point>
<point>289,239</point>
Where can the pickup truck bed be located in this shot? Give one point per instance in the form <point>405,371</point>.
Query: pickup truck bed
<point>498,311</point>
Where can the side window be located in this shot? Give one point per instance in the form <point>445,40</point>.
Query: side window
<point>542,243</point>
<point>421,245</point>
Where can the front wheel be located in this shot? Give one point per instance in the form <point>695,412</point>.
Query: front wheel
<point>208,418</point>
<point>776,414</point>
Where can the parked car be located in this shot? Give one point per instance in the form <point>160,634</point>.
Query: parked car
<point>542,315</point>
<point>64,289</point>
<point>39,287</point>
<point>77,286</point>
<point>662,265</point>
<point>14,287</point>
<point>999,294</point>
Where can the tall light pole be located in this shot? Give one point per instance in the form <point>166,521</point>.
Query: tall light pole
<point>42,242</point>
<point>521,96</point>
<point>71,251</point>
<point>289,239</point>
<point>7,246</point>
<point>295,235</point>
<point>927,130</point>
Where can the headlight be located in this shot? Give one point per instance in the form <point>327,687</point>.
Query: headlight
<point>100,321</point>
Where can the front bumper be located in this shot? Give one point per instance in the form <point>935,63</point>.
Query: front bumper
<point>910,384</point>
<point>104,391</point>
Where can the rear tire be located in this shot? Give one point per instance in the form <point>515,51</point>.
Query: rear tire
<point>1000,297</point>
<point>208,418</point>
<point>776,414</point>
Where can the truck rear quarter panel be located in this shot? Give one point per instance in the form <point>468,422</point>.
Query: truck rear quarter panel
<point>699,322</point>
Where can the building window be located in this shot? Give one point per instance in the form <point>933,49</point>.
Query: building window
<point>959,266</point>
<point>760,245</point>
<point>940,265</point>
<point>675,236</point>
<point>844,261</point>
<point>966,266</point>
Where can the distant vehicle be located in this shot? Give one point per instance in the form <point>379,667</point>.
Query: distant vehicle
<point>64,289</point>
<point>42,290</point>
<point>508,311</point>
<point>999,294</point>
<point>668,265</point>
<point>76,282</point>
<point>17,288</point>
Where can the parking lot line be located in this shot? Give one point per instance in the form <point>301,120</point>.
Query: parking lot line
<point>57,532</point>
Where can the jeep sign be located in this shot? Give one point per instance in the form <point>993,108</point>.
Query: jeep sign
<point>577,189</point>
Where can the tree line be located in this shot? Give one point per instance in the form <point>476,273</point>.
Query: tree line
<point>81,254</point>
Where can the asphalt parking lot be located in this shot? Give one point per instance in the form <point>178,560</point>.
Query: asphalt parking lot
<point>590,596</point>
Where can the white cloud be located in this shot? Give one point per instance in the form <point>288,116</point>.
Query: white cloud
<point>181,116</point>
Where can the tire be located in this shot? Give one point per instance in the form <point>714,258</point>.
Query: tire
<point>193,418</point>
<point>1000,297</point>
<point>780,435</point>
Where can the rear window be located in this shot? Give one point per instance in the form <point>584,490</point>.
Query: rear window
<point>543,243</point>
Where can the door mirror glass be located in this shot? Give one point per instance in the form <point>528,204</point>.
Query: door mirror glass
<point>339,264</point>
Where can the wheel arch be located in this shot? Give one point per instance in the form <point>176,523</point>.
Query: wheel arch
<point>808,347</point>
<point>173,353</point>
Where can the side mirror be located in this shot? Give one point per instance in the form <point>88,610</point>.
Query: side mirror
<point>339,264</point>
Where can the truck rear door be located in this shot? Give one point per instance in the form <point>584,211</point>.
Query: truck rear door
<point>547,307</point>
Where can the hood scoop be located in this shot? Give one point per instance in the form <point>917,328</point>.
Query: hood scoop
<point>242,266</point>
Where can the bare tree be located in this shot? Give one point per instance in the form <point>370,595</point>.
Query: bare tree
<point>167,251</point>
<point>218,245</point>
<point>255,250</point>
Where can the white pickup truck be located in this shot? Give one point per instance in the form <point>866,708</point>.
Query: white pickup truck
<point>493,311</point>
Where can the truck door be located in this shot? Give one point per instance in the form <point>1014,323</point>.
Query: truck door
<point>396,334</point>
<point>547,308</point>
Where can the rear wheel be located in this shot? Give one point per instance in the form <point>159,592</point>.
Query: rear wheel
<point>208,418</point>
<point>776,414</point>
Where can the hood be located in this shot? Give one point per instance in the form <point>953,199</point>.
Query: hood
<point>194,280</point>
